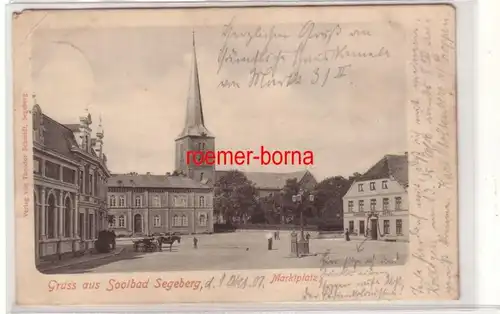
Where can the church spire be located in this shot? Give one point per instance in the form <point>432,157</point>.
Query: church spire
<point>194,124</point>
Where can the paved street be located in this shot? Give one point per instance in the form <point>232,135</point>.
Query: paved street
<point>244,250</point>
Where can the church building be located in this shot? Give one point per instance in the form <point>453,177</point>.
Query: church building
<point>180,202</point>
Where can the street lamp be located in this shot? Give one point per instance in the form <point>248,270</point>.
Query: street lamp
<point>299,199</point>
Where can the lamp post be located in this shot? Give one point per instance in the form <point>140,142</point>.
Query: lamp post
<point>303,243</point>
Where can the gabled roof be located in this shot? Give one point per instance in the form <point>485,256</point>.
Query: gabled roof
<point>268,180</point>
<point>58,137</point>
<point>154,181</point>
<point>390,166</point>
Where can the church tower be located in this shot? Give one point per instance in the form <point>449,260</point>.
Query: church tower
<point>195,136</point>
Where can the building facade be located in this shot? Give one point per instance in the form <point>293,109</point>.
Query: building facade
<point>147,204</point>
<point>376,205</point>
<point>70,176</point>
<point>155,204</point>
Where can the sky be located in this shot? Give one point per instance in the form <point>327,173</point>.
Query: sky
<point>136,79</point>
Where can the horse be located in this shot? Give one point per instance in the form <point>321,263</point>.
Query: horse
<point>168,240</point>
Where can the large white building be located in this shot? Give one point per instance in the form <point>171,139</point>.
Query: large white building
<point>376,205</point>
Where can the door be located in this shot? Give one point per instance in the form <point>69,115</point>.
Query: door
<point>137,223</point>
<point>374,229</point>
<point>361,227</point>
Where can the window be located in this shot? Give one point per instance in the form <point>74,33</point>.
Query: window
<point>184,221</point>
<point>181,150</point>
<point>157,221</point>
<point>51,170</point>
<point>121,221</point>
<point>398,203</point>
<point>372,186</point>
<point>201,176</point>
<point>384,184</point>
<point>50,217</point>
<point>361,205</point>
<point>68,175</point>
<point>361,227</point>
<point>138,201</point>
<point>112,201</point>
<point>350,206</point>
<point>67,218</point>
<point>203,220</point>
<point>90,231</point>
<point>180,201</point>
<point>202,201</point>
<point>360,187</point>
<point>156,201</point>
<point>351,226</point>
<point>36,165</point>
<point>91,185</point>
<point>399,227</point>
<point>112,223</point>
<point>176,221</point>
<point>373,204</point>
<point>387,228</point>
<point>121,201</point>
<point>385,204</point>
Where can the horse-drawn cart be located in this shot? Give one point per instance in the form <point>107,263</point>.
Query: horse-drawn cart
<point>152,244</point>
<point>145,245</point>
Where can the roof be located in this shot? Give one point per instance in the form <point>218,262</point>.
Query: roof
<point>268,180</point>
<point>58,137</point>
<point>73,127</point>
<point>154,181</point>
<point>390,166</point>
<point>195,123</point>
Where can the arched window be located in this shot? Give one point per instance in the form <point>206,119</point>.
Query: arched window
<point>157,221</point>
<point>121,221</point>
<point>202,201</point>
<point>121,201</point>
<point>67,218</point>
<point>184,221</point>
<point>203,220</point>
<point>112,223</point>
<point>176,221</point>
<point>112,201</point>
<point>51,216</point>
<point>138,201</point>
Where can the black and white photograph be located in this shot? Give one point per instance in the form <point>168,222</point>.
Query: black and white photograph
<point>235,146</point>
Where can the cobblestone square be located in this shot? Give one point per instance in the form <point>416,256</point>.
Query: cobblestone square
<point>245,250</point>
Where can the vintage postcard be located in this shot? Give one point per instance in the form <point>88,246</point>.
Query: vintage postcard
<point>286,154</point>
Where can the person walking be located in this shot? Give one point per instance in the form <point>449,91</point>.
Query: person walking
<point>278,234</point>
<point>347,238</point>
<point>195,242</point>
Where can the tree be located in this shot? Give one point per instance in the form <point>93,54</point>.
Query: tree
<point>329,194</point>
<point>355,176</point>
<point>111,218</point>
<point>234,196</point>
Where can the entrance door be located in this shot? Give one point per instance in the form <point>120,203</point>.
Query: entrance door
<point>361,227</point>
<point>374,230</point>
<point>137,223</point>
